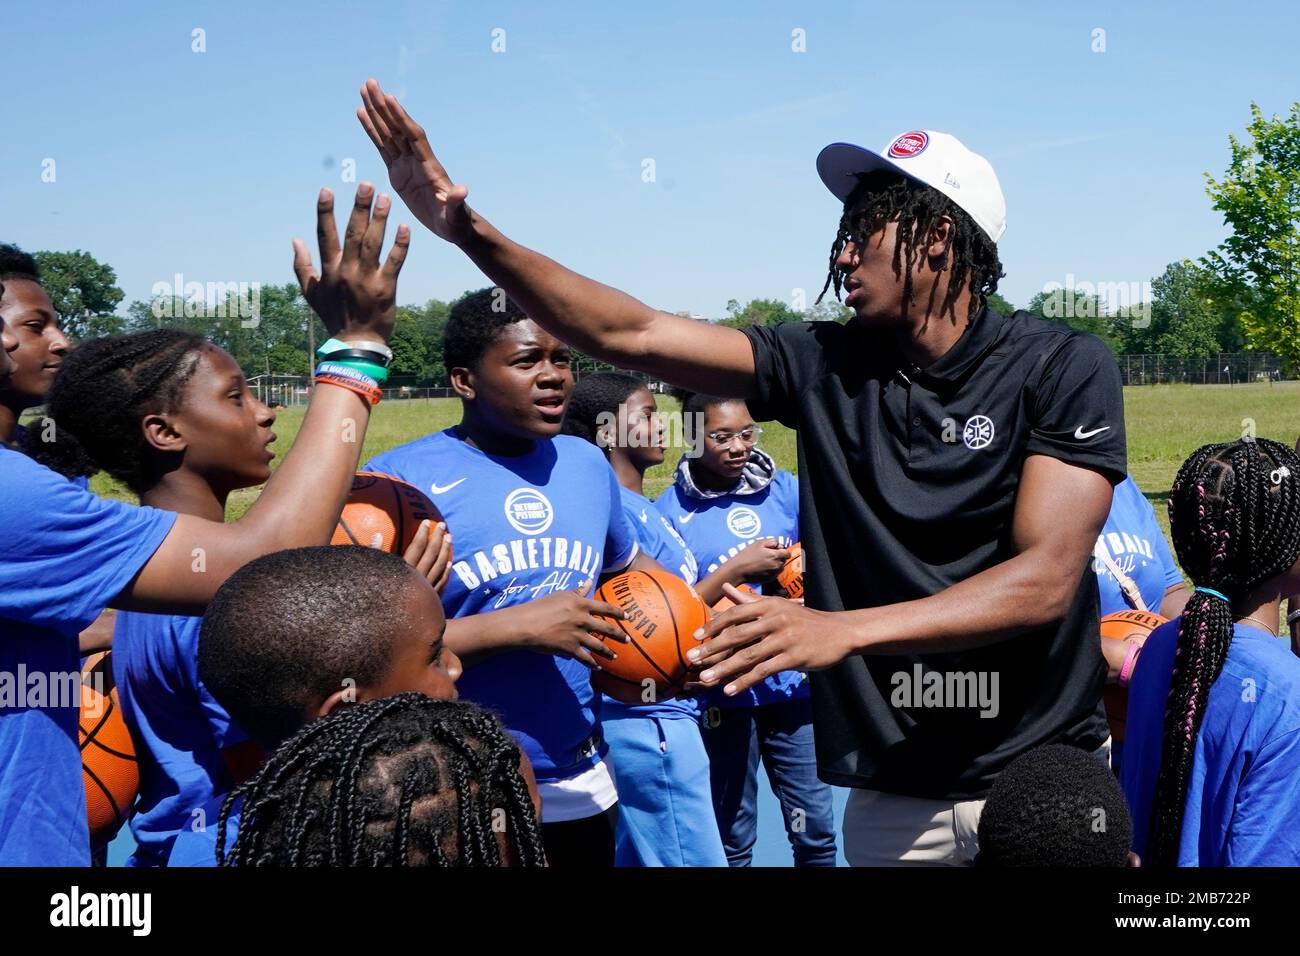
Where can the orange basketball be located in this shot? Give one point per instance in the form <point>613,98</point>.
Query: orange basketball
<point>385,506</point>
<point>109,769</point>
<point>791,576</point>
<point>663,611</point>
<point>1119,626</point>
<point>725,603</point>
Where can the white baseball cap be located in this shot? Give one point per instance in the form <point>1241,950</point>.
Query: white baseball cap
<point>936,159</point>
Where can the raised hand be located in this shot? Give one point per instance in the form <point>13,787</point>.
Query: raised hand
<point>413,171</point>
<point>429,552</point>
<point>354,295</point>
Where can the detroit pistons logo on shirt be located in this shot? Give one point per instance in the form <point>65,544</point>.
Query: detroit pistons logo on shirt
<point>744,522</point>
<point>529,511</point>
<point>909,145</point>
<point>978,432</point>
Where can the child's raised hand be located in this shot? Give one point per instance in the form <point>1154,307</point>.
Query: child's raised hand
<point>354,295</point>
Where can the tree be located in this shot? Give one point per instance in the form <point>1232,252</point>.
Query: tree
<point>1183,311</point>
<point>828,310</point>
<point>1257,268</point>
<point>999,304</point>
<point>83,291</point>
<point>410,344</point>
<point>760,312</point>
<point>1085,313</point>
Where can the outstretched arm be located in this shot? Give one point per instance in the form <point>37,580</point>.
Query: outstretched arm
<point>586,314</point>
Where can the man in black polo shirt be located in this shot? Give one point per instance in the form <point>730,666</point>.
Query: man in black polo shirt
<point>955,465</point>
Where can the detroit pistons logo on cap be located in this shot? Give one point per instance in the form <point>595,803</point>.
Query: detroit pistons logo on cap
<point>529,511</point>
<point>908,145</point>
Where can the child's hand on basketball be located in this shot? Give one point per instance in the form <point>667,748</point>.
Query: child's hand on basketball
<point>761,636</point>
<point>568,623</point>
<point>429,553</point>
<point>355,296</point>
<point>761,561</point>
<point>413,171</point>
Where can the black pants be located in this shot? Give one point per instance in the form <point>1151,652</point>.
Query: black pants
<point>587,843</point>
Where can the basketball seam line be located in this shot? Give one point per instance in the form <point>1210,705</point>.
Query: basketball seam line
<point>677,634</point>
<point>649,660</point>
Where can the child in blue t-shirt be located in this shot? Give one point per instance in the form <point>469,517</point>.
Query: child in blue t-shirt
<point>1135,571</point>
<point>538,522</point>
<point>66,554</point>
<point>739,515</point>
<point>666,815</point>
<point>203,435</point>
<point>1212,762</point>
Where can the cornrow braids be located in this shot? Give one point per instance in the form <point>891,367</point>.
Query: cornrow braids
<point>102,391</point>
<point>401,781</point>
<point>882,196</point>
<point>1234,516</point>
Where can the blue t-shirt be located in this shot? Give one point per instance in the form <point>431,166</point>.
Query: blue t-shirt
<point>196,843</point>
<point>179,728</point>
<point>1132,539</point>
<point>716,530</point>
<point>659,539</point>
<point>64,555</point>
<point>1245,775</point>
<point>523,528</point>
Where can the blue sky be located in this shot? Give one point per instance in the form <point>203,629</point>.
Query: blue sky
<point>207,163</point>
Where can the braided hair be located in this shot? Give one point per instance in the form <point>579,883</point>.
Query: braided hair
<point>102,391</point>
<point>400,781</point>
<point>1234,515</point>
<point>884,196</point>
<point>593,395</point>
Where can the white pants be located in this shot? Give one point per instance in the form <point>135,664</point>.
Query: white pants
<point>887,829</point>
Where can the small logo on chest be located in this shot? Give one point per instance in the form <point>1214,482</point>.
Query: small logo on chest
<point>743,522</point>
<point>978,432</point>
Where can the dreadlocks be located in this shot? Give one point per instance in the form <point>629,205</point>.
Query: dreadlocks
<point>882,196</point>
<point>1234,515</point>
<point>103,389</point>
<point>402,781</point>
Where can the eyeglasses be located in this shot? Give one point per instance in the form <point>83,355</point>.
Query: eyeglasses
<point>749,436</point>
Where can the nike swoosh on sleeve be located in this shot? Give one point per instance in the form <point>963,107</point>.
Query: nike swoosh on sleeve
<point>1080,434</point>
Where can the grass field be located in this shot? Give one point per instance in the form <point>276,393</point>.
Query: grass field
<point>1165,422</point>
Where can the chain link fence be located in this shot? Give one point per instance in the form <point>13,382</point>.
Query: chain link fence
<point>282,391</point>
<point>1221,368</point>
